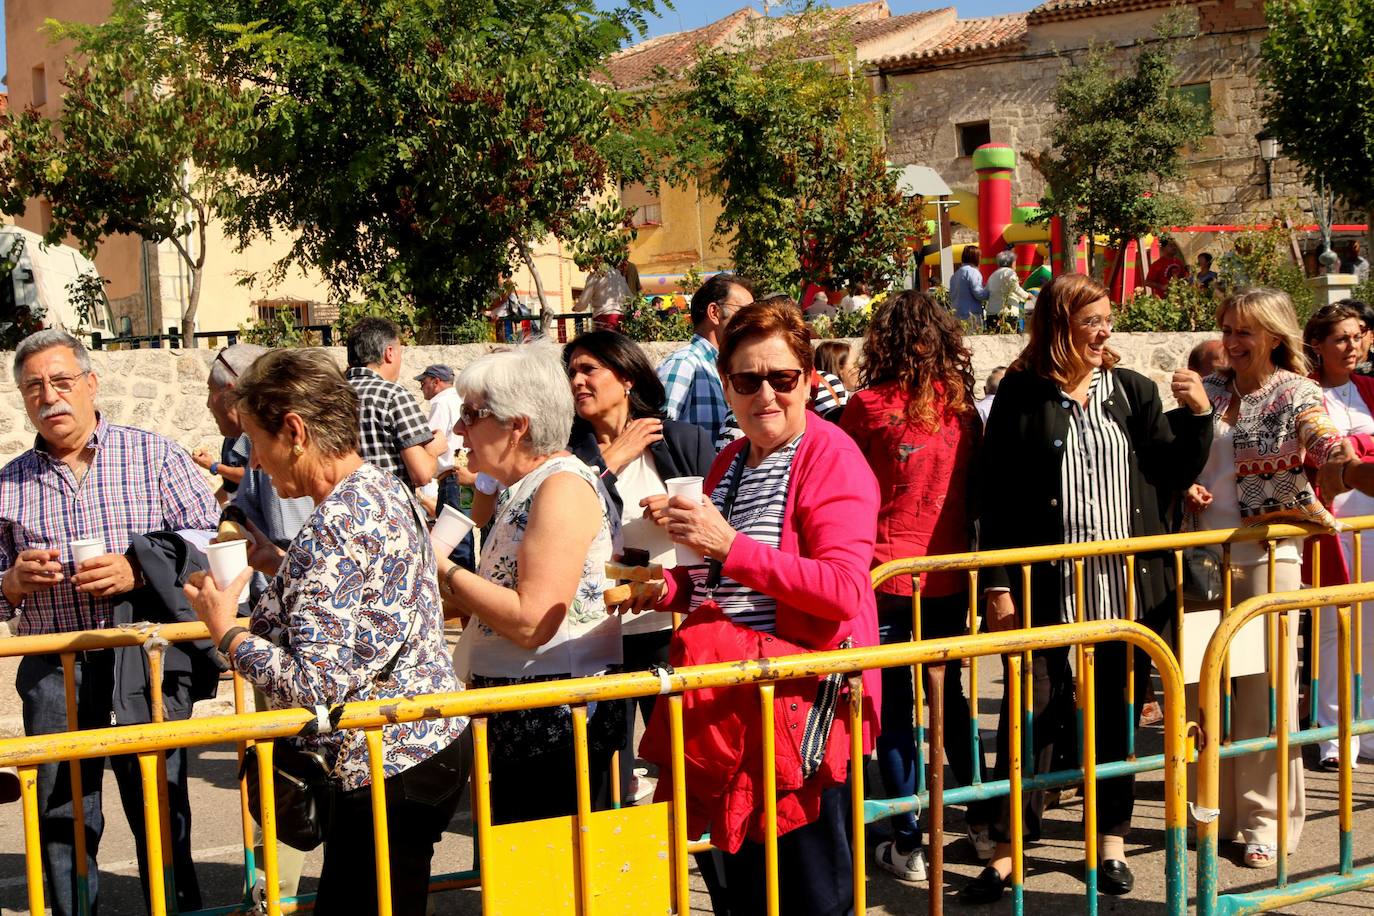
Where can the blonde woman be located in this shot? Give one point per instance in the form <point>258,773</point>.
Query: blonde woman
<point>1267,414</point>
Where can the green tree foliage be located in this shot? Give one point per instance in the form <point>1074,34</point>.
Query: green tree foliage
<point>793,148</point>
<point>1318,70</point>
<point>143,145</point>
<point>429,142</point>
<point>1117,139</point>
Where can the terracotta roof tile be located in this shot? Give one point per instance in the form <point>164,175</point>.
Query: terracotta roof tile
<point>675,52</point>
<point>1058,10</point>
<point>965,37</point>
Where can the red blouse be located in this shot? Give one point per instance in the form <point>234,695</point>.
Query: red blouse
<point>922,482</point>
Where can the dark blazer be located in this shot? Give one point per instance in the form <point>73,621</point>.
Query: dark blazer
<point>685,450</point>
<point>1019,486</point>
<point>190,670</point>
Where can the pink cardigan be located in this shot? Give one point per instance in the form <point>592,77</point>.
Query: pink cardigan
<point>819,572</point>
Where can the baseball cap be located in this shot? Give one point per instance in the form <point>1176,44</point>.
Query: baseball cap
<point>442,373</point>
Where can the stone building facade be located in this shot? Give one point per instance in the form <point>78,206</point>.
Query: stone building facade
<point>993,80</point>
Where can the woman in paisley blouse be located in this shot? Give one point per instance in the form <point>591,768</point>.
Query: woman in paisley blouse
<point>1270,424</point>
<point>535,601</point>
<point>353,614</point>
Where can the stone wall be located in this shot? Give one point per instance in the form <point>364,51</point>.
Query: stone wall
<point>164,390</point>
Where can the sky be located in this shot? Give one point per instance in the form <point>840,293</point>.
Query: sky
<point>691,14</point>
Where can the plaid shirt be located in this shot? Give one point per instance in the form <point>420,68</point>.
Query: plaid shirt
<point>693,387</point>
<point>390,421</point>
<point>138,483</point>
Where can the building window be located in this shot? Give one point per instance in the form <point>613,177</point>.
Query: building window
<point>299,308</point>
<point>40,86</point>
<point>645,204</point>
<point>1199,94</point>
<point>972,136</point>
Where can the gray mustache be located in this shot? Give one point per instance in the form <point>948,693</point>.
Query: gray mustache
<point>57,409</point>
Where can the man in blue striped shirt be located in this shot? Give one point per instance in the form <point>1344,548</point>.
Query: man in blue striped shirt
<point>86,478</point>
<point>690,381</point>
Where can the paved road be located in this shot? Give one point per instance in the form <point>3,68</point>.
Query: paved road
<point>1054,865</point>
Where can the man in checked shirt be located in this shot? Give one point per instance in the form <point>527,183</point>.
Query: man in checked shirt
<point>86,478</point>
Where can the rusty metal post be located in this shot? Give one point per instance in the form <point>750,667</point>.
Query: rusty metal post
<point>935,676</point>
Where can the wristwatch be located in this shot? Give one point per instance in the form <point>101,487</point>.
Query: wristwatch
<point>228,638</point>
<point>214,467</point>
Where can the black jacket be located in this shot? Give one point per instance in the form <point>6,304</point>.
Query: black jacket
<point>1019,485</point>
<point>190,670</point>
<point>684,451</point>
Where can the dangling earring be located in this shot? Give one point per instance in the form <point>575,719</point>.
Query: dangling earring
<point>297,450</point>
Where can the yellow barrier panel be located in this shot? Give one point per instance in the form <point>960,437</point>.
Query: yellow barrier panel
<point>150,741</point>
<point>1208,774</point>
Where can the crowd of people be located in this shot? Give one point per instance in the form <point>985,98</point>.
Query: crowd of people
<point>812,465</point>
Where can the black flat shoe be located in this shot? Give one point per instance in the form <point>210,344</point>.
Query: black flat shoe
<point>1114,878</point>
<point>986,888</point>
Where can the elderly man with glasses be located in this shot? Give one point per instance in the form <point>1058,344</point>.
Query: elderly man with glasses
<point>88,478</point>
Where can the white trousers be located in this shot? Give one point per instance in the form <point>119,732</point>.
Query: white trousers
<point>1328,682</point>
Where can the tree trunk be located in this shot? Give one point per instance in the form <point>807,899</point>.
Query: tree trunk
<point>545,312</point>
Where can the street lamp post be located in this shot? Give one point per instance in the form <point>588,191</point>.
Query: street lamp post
<point>1269,151</point>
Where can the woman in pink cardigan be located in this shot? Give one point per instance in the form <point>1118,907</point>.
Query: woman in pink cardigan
<point>787,532</point>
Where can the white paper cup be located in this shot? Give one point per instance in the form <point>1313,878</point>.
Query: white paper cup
<point>449,530</point>
<point>87,549</point>
<point>690,488</point>
<point>227,560</point>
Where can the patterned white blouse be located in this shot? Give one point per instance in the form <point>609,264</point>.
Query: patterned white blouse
<point>357,577</point>
<point>588,639</point>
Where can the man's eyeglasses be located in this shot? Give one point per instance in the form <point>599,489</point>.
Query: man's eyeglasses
<point>469,415</point>
<point>780,380</point>
<point>62,384</point>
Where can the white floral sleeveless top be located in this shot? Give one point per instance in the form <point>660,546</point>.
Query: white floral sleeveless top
<point>588,640</point>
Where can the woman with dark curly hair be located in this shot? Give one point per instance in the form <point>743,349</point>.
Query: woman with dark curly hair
<point>915,421</point>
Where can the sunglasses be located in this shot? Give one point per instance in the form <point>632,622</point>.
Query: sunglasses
<point>219,358</point>
<point>780,380</point>
<point>469,415</point>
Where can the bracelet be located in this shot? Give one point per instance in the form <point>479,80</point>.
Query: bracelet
<point>214,467</point>
<point>228,637</point>
<point>448,580</point>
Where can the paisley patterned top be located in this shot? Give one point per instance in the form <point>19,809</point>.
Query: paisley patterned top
<point>1280,427</point>
<point>588,640</point>
<point>357,576</point>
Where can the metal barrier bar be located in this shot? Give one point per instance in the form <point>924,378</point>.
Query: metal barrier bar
<point>770,800</point>
<point>1346,806</point>
<point>1089,657</point>
<point>33,853</point>
<point>918,687</point>
<point>682,898</point>
<point>1208,791</point>
<point>1281,737</point>
<point>152,825</point>
<point>857,759</point>
<point>481,803</point>
<point>381,838</point>
<point>582,854</point>
<point>83,881</point>
<point>1015,775</point>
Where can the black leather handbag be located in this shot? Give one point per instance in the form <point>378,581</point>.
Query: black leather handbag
<point>303,788</point>
<point>1202,574</point>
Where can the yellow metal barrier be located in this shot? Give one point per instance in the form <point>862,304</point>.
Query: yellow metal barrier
<point>1276,607</point>
<point>1025,558</point>
<point>594,889</point>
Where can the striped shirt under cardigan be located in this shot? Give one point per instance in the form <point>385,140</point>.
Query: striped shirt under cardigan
<point>1096,505</point>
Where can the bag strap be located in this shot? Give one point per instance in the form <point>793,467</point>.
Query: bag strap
<point>828,387</point>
